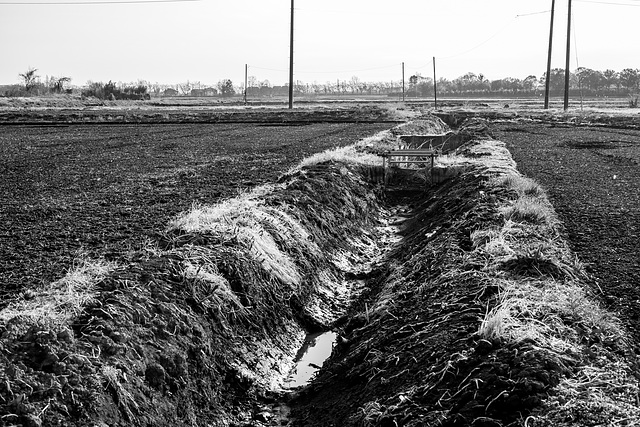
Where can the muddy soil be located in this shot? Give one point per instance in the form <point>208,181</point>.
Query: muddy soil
<point>592,175</point>
<point>100,190</point>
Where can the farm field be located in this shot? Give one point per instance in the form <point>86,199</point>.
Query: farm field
<point>100,190</point>
<point>211,254</point>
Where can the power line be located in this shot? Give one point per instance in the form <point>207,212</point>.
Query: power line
<point>488,39</point>
<point>609,3</point>
<point>533,13</point>
<point>481,44</point>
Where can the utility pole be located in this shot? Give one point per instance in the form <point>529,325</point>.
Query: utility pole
<point>566,68</point>
<point>548,82</point>
<point>291,62</point>
<point>403,82</point>
<point>435,86</point>
<point>246,71</point>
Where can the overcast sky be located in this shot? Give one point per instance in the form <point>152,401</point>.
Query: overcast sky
<point>210,40</point>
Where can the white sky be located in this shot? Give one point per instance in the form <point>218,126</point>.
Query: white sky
<point>210,40</point>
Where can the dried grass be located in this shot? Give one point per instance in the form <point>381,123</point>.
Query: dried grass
<point>366,151</point>
<point>123,398</point>
<point>522,185</point>
<point>535,210</point>
<point>62,300</point>
<point>265,232</point>
<point>556,314</point>
<point>209,286</point>
<point>545,309</point>
<point>349,154</point>
<point>491,156</point>
<point>547,312</point>
<point>604,394</point>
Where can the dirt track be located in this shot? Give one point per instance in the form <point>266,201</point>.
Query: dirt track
<point>101,189</point>
<point>593,179</point>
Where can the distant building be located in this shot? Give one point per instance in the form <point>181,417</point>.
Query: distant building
<point>170,92</point>
<point>204,92</point>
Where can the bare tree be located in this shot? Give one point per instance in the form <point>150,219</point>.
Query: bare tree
<point>58,83</point>
<point>30,78</point>
<point>226,88</point>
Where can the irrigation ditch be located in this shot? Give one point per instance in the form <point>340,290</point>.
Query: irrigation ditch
<point>456,303</point>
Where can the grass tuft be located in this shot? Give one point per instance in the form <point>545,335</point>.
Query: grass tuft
<point>531,210</point>
<point>62,300</point>
<point>548,312</point>
<point>522,185</point>
<point>348,154</point>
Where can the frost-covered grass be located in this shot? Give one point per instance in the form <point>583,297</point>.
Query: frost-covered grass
<point>265,231</point>
<point>557,314</point>
<point>63,299</point>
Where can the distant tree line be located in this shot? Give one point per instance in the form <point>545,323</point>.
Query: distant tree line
<point>589,82</point>
<point>112,91</point>
<point>583,81</point>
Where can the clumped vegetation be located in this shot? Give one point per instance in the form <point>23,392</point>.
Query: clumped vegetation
<point>56,304</point>
<point>32,85</point>
<point>111,91</point>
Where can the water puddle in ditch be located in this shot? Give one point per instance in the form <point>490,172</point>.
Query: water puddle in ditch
<point>310,358</point>
<point>317,347</point>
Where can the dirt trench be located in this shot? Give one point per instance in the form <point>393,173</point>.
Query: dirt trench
<point>410,352</point>
<point>203,327</point>
<point>201,324</point>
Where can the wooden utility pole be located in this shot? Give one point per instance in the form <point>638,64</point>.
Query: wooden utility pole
<point>548,82</point>
<point>246,71</point>
<point>566,68</point>
<point>435,85</point>
<point>403,82</point>
<point>291,62</point>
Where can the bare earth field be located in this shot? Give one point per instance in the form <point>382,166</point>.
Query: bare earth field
<point>102,189</point>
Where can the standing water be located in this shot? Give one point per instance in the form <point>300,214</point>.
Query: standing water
<point>315,350</point>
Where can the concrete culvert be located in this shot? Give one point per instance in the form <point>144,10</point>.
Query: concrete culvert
<point>415,300</point>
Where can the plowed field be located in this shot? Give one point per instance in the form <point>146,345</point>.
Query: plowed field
<point>99,189</point>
